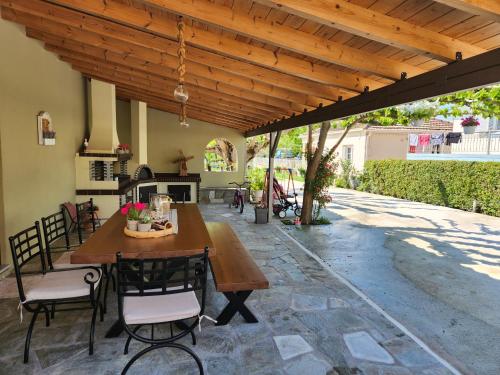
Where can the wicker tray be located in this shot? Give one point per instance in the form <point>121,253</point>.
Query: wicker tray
<point>152,234</point>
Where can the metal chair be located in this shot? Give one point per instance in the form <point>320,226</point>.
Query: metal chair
<point>78,215</point>
<point>84,213</point>
<point>55,227</point>
<point>64,286</point>
<point>155,291</point>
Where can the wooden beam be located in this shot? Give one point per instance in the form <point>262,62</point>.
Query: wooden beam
<point>367,23</point>
<point>287,37</point>
<point>168,108</point>
<point>473,72</point>
<point>124,80</point>
<point>173,107</point>
<point>157,23</point>
<point>89,56</point>
<point>109,70</point>
<point>119,32</point>
<point>87,37</point>
<point>489,9</point>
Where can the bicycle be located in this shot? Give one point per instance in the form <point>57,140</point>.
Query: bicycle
<point>238,199</point>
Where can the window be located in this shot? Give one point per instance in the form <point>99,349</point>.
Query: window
<point>347,152</point>
<point>221,156</point>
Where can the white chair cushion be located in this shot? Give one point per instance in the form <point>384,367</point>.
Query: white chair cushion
<point>58,266</point>
<point>160,309</point>
<point>58,285</point>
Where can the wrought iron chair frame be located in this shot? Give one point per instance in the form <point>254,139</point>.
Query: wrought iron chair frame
<point>55,226</point>
<point>147,281</point>
<point>31,237</point>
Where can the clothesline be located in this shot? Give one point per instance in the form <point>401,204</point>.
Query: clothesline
<point>433,139</point>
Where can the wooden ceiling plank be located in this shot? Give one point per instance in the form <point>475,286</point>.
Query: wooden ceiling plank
<point>377,26</point>
<point>90,38</point>
<point>154,22</point>
<point>489,9</point>
<point>174,107</point>
<point>296,90</point>
<point>286,37</point>
<point>105,69</point>
<point>88,23</point>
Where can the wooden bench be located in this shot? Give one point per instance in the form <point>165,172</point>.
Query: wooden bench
<point>235,272</point>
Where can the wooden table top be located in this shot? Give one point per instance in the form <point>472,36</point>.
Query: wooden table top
<point>102,246</point>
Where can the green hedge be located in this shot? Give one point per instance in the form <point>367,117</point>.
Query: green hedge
<point>446,183</point>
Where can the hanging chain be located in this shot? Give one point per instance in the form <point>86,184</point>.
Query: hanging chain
<point>181,52</point>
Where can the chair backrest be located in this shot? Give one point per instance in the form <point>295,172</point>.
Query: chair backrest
<point>85,212</point>
<point>54,228</point>
<point>160,276</point>
<point>25,246</point>
<point>70,208</point>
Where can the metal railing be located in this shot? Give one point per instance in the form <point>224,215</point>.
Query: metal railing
<point>478,143</point>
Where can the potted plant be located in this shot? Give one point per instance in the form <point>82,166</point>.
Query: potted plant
<point>123,148</point>
<point>469,124</point>
<point>133,212</point>
<point>144,223</point>
<point>256,177</point>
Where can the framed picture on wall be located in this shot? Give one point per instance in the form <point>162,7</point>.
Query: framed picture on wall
<point>46,133</point>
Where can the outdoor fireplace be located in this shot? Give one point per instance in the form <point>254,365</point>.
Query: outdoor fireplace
<point>180,193</point>
<point>143,172</point>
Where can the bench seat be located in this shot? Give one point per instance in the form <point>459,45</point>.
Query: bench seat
<point>234,270</point>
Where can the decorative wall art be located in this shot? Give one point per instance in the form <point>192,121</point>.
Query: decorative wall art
<point>46,133</point>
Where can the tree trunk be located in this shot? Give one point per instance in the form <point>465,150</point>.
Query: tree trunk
<point>313,161</point>
<point>312,167</point>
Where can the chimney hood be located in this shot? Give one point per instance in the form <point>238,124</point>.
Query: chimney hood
<point>102,115</point>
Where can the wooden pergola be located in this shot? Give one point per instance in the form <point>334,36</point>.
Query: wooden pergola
<point>267,65</point>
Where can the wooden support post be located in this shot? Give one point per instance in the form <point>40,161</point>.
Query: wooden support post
<point>274,139</point>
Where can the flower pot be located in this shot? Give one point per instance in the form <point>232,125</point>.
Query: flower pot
<point>469,129</point>
<point>132,224</point>
<point>261,215</point>
<point>257,195</point>
<point>144,227</point>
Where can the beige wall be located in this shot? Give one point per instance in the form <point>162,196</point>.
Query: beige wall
<point>166,137</point>
<point>387,145</point>
<point>355,138</point>
<point>35,179</point>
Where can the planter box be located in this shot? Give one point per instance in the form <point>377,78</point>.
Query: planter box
<point>469,129</point>
<point>261,215</point>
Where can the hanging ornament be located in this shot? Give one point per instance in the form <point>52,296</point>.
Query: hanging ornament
<point>183,117</point>
<point>180,92</point>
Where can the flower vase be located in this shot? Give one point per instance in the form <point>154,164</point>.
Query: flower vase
<point>132,224</point>
<point>144,227</point>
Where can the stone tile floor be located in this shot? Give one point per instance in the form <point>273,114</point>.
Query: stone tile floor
<point>309,323</point>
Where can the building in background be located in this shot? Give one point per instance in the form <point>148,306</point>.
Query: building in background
<point>370,142</point>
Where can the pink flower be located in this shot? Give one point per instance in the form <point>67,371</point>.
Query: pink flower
<point>128,204</point>
<point>124,210</point>
<point>140,206</point>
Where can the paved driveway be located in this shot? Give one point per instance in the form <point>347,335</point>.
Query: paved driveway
<point>435,269</point>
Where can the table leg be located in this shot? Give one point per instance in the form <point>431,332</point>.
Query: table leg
<point>236,304</point>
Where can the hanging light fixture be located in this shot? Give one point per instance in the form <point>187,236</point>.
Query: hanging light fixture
<point>180,92</point>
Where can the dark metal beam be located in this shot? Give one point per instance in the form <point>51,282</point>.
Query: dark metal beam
<point>480,70</point>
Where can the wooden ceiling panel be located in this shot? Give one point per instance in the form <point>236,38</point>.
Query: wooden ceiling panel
<point>250,62</point>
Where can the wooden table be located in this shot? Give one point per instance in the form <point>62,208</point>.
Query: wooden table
<point>102,246</point>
